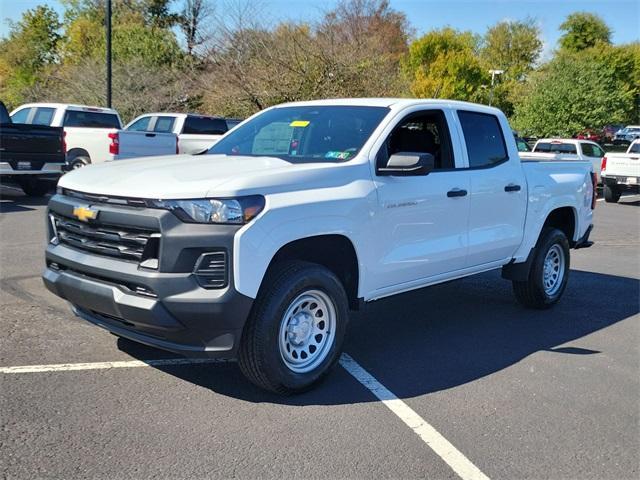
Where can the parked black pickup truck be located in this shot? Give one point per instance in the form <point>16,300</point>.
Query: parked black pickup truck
<point>31,156</point>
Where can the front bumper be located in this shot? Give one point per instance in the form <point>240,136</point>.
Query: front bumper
<point>165,308</point>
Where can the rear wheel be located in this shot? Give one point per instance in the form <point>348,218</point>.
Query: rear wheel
<point>549,272</point>
<point>612,193</point>
<point>35,188</point>
<point>295,332</point>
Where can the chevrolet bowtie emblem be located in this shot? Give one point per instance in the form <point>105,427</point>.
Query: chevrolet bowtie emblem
<point>85,214</point>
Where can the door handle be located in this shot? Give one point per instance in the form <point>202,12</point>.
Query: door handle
<point>149,134</point>
<point>512,187</point>
<point>456,192</point>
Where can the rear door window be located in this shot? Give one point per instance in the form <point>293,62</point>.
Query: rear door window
<point>21,115</point>
<point>164,124</point>
<point>80,118</point>
<point>635,148</point>
<point>205,126</point>
<point>43,116</point>
<point>140,125</point>
<point>483,138</point>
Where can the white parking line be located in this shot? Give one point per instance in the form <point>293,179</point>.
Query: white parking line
<point>65,367</point>
<point>429,435</point>
<point>460,464</point>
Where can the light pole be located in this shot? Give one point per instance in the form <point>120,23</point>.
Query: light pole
<point>493,78</point>
<point>108,29</point>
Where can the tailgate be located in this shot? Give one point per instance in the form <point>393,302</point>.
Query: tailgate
<point>37,144</point>
<point>623,165</point>
<point>143,144</point>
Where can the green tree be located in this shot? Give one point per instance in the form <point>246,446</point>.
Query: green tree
<point>514,47</point>
<point>583,30</point>
<point>445,64</point>
<point>575,91</point>
<point>29,50</point>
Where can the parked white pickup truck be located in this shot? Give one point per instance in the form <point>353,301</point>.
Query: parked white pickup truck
<point>196,133</point>
<point>93,134</point>
<point>621,172</point>
<point>566,149</point>
<point>259,249</point>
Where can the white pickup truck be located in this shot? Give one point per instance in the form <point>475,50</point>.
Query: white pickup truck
<point>259,249</point>
<point>93,134</point>
<point>566,149</point>
<point>621,172</point>
<point>196,133</point>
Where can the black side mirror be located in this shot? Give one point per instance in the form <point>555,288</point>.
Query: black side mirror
<point>404,164</point>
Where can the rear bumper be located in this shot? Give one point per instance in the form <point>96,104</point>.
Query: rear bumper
<point>623,182</point>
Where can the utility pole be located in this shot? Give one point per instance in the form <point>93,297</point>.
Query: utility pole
<point>108,29</point>
<point>493,78</point>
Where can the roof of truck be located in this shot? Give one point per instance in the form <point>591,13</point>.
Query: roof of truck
<point>393,103</point>
<point>68,106</point>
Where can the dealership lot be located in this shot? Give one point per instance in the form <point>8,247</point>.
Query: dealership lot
<point>521,394</point>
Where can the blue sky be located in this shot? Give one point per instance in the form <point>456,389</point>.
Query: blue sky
<point>622,16</point>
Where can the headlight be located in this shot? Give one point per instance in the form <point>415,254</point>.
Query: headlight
<point>214,210</point>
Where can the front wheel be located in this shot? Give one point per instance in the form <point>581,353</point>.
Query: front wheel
<point>549,272</point>
<point>295,332</point>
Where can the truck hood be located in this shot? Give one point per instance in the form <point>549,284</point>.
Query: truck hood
<point>197,176</point>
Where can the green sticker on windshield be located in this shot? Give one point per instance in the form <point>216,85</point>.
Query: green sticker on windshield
<point>338,155</point>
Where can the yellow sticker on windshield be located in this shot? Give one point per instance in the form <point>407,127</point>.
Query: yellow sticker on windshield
<point>299,123</point>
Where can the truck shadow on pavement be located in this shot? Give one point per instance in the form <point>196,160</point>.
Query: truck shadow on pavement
<point>13,200</point>
<point>441,337</point>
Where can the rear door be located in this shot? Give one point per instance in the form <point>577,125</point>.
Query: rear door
<point>200,133</point>
<point>498,200</point>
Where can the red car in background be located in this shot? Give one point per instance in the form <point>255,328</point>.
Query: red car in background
<point>592,135</point>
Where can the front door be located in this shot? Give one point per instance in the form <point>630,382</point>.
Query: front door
<point>421,221</point>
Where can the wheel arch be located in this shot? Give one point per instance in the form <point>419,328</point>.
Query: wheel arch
<point>333,251</point>
<point>74,153</point>
<point>563,218</point>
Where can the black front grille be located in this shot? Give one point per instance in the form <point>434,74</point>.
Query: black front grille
<point>127,243</point>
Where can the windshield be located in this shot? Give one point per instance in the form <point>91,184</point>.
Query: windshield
<point>304,134</point>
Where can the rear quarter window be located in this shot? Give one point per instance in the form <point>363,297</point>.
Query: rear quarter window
<point>205,126</point>
<point>484,139</point>
<point>78,118</point>
<point>552,147</point>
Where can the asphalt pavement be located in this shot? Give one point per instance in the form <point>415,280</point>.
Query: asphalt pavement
<point>522,394</point>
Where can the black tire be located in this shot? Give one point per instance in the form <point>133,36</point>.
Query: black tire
<point>259,356</point>
<point>79,162</point>
<point>36,188</point>
<point>611,193</point>
<point>531,293</point>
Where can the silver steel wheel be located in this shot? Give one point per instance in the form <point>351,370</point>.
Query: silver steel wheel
<point>307,331</point>
<point>553,272</point>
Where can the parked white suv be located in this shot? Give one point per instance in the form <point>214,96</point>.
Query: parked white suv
<point>258,249</point>
<point>93,134</point>
<point>196,133</point>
